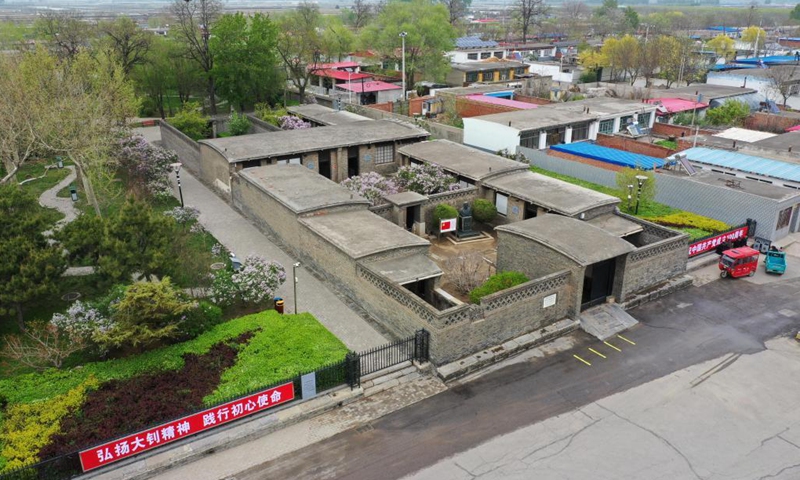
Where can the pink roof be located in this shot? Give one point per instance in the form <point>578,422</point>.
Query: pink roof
<point>373,86</point>
<point>793,129</point>
<point>337,65</point>
<point>341,74</point>
<point>676,105</point>
<point>502,101</point>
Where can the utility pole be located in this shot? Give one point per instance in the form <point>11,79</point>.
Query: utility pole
<point>403,39</point>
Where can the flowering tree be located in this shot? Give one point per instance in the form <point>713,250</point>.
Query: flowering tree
<point>183,215</point>
<point>371,186</point>
<point>81,321</point>
<point>425,179</point>
<point>290,122</point>
<point>256,282</point>
<point>147,167</point>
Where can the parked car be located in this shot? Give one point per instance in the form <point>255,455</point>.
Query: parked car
<point>775,262</point>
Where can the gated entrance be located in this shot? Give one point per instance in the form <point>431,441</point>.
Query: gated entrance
<point>598,283</point>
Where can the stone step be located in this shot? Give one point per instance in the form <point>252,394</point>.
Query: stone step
<point>605,321</point>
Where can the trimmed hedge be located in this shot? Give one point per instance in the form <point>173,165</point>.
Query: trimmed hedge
<point>483,210</point>
<point>691,220</point>
<point>496,283</point>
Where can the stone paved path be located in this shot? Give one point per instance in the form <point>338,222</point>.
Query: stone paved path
<point>238,235</point>
<point>64,205</point>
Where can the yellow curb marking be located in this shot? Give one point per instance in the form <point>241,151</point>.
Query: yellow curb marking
<point>596,352</point>
<point>582,360</point>
<point>612,346</point>
<point>629,341</point>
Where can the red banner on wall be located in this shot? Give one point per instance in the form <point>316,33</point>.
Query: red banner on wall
<point>143,441</point>
<point>708,244</point>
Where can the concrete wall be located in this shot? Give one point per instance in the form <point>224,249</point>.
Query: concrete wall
<point>187,149</point>
<point>715,201</point>
<point>677,131</point>
<point>466,107</point>
<point>215,170</point>
<point>490,136</point>
<point>260,126</point>
<point>654,263</point>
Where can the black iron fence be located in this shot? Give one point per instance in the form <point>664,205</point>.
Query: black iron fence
<point>345,372</point>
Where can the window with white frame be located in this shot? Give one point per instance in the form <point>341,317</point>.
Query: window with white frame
<point>384,154</point>
<point>501,203</point>
<point>472,56</point>
<point>643,119</point>
<point>580,132</point>
<point>485,55</point>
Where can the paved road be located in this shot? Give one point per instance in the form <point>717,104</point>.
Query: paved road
<point>697,325</point>
<point>238,235</point>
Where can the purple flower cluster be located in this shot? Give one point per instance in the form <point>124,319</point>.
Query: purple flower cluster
<point>81,321</point>
<point>290,122</point>
<point>425,179</point>
<point>147,167</point>
<point>372,186</point>
<point>183,215</point>
<point>256,282</point>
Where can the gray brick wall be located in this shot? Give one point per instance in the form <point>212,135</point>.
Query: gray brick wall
<point>187,149</point>
<point>653,264</point>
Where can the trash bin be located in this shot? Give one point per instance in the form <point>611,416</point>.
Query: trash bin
<point>73,193</point>
<point>279,305</point>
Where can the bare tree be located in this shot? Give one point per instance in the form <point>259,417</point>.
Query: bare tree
<point>530,13</point>
<point>457,9</point>
<point>299,44</point>
<point>466,272</point>
<point>194,21</point>
<point>42,346</point>
<point>128,43</point>
<point>66,31</point>
<point>362,13</point>
<point>785,80</point>
<point>575,9</point>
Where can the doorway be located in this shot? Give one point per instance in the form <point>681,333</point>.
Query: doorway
<point>530,211</point>
<point>325,164</point>
<point>352,162</point>
<point>598,283</point>
<point>412,215</point>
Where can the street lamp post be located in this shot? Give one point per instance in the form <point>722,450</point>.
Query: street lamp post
<point>403,40</point>
<point>295,266</point>
<point>177,168</point>
<point>630,196</point>
<point>640,179</point>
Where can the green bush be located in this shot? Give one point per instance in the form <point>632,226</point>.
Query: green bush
<point>29,427</point>
<point>239,124</point>
<point>496,283</point>
<point>691,220</point>
<point>191,121</point>
<point>269,114</point>
<point>483,210</point>
<point>200,319</point>
<point>285,346</point>
<point>731,113</point>
<point>441,212</point>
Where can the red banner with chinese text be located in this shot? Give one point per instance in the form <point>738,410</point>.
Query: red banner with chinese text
<point>708,244</point>
<point>149,439</point>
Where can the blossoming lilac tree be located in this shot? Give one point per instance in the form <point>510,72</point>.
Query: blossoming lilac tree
<point>147,167</point>
<point>255,283</point>
<point>425,179</point>
<point>290,122</point>
<point>371,186</point>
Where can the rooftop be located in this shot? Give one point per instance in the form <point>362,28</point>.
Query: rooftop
<point>361,233</point>
<point>792,72</point>
<point>371,86</point>
<point>325,116</point>
<point>709,92</point>
<point>473,89</point>
<point>292,142</point>
<point>676,105</point>
<point>619,226</point>
<point>744,135</point>
<point>502,101</point>
<point>581,241</point>
<point>407,269</point>
<point>466,161</point>
<point>784,141</point>
<point>299,189</point>
<point>610,155</point>
<point>769,59</point>
<point>553,194</point>
<point>567,113</point>
<point>485,65</point>
<point>474,41</point>
<point>753,187</point>
<point>341,74</point>
<point>745,163</point>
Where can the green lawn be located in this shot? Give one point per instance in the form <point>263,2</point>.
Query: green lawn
<point>651,211</point>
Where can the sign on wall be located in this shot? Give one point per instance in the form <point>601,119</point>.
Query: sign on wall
<point>708,244</point>
<point>143,441</point>
<point>448,225</point>
<point>549,300</point>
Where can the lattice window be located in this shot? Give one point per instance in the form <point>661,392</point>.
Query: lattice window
<point>384,154</point>
<point>657,250</point>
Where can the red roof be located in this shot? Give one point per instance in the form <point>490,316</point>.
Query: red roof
<point>675,105</point>
<point>793,129</point>
<point>374,86</point>
<point>341,74</point>
<point>337,65</point>
<point>502,101</point>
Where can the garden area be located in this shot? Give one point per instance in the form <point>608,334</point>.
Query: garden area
<point>696,226</point>
<point>156,324</point>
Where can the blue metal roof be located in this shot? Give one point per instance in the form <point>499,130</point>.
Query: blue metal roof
<point>745,163</point>
<point>721,28</point>
<point>474,41</point>
<point>731,66</point>
<point>770,59</point>
<point>609,155</point>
